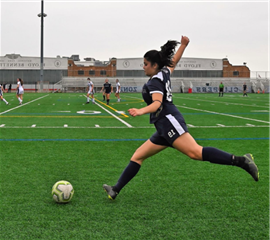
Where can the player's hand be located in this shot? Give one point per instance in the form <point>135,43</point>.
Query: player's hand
<point>184,40</point>
<point>135,112</point>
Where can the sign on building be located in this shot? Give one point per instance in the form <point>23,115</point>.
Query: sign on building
<point>17,62</point>
<point>183,64</point>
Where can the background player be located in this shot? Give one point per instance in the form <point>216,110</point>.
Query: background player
<point>1,94</point>
<point>90,91</point>
<point>103,92</point>
<point>20,90</point>
<point>171,129</point>
<point>108,89</point>
<point>118,90</point>
<point>244,89</point>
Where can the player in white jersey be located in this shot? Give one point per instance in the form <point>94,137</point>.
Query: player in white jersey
<point>1,94</point>
<point>20,90</point>
<point>118,90</point>
<point>90,91</point>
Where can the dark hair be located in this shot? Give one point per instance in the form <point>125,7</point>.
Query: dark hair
<point>21,81</point>
<point>163,57</point>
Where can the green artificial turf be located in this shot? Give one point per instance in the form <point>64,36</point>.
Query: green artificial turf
<point>172,197</point>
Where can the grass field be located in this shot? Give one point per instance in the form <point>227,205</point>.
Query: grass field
<point>55,136</point>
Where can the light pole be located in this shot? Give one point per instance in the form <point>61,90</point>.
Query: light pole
<point>41,15</point>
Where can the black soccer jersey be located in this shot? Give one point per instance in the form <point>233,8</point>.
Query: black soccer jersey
<point>160,83</point>
<point>107,87</point>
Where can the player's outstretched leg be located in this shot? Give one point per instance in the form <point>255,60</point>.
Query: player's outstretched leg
<point>217,156</point>
<point>129,172</point>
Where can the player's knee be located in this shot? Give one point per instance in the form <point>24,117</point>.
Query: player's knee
<point>195,154</point>
<point>138,158</point>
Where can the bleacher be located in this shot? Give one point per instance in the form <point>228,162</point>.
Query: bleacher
<point>78,84</point>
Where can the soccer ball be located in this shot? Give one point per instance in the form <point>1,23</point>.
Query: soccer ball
<point>62,191</point>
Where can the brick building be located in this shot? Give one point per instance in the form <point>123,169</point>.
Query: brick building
<point>133,67</point>
<point>91,67</point>
<point>236,71</point>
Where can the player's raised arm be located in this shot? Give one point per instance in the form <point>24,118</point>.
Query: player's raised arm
<point>177,56</point>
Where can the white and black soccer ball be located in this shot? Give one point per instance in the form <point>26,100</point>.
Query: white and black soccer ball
<point>62,191</point>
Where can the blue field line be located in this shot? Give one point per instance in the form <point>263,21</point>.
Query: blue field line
<point>118,140</point>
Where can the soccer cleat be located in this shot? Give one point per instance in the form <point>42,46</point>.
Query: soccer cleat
<point>109,190</point>
<point>86,102</point>
<point>250,166</point>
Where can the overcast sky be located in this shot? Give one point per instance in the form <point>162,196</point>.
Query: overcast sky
<point>238,30</point>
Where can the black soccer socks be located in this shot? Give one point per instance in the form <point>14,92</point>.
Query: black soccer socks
<point>130,171</point>
<point>217,156</point>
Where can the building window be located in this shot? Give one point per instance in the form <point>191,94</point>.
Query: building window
<point>102,72</point>
<point>235,73</point>
<point>92,72</point>
<point>80,72</point>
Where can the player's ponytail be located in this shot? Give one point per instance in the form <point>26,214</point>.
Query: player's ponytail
<point>21,81</point>
<point>163,57</point>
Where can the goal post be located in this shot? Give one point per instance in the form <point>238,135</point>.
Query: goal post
<point>46,86</point>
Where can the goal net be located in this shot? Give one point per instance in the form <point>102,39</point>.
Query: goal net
<point>44,87</point>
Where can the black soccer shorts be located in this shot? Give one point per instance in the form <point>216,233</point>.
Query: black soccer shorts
<point>169,128</point>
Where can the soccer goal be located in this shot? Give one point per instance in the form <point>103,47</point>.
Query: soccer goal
<point>45,87</point>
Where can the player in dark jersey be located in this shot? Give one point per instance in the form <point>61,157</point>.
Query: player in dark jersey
<point>108,89</point>
<point>244,89</point>
<point>171,130</point>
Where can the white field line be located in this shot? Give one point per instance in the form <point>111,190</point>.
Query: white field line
<point>228,115</point>
<point>224,114</point>
<point>152,127</point>
<point>23,105</point>
<point>133,97</point>
<point>229,103</point>
<point>119,119</point>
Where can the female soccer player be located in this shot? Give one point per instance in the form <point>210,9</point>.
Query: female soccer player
<point>169,122</point>
<point>1,94</point>
<point>107,88</point>
<point>90,91</point>
<point>20,90</point>
<point>244,89</point>
<point>117,90</point>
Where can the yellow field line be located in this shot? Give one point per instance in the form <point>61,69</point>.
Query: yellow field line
<point>111,108</point>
